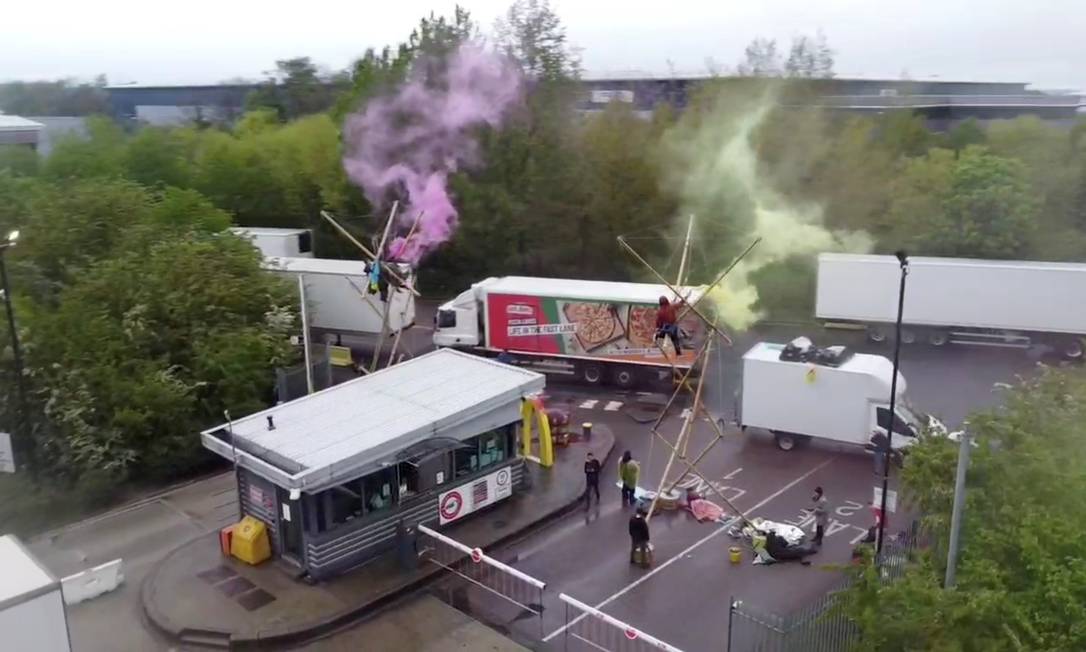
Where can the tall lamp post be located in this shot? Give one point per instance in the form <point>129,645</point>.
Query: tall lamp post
<point>903,260</point>
<point>17,354</point>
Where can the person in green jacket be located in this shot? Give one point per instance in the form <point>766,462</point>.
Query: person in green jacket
<point>628,472</point>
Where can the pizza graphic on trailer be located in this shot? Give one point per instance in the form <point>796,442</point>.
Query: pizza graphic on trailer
<point>451,505</point>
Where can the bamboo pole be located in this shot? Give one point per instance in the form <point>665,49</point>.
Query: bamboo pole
<point>684,434</point>
<point>686,252</point>
<point>388,228</point>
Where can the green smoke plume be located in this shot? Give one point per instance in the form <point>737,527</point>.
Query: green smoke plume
<point>715,171</point>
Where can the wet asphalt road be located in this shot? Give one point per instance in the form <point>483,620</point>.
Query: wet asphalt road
<point>684,598</point>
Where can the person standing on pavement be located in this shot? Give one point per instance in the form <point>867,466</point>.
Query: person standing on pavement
<point>639,536</point>
<point>591,479</point>
<point>821,514</point>
<point>628,472</point>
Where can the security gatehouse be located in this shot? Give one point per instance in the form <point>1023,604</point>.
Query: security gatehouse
<point>334,474</point>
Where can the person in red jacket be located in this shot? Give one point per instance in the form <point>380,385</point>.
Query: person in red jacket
<point>667,324</point>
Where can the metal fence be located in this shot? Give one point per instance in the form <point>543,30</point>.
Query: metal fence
<point>471,564</point>
<point>823,626</point>
<point>290,383</point>
<point>588,628</point>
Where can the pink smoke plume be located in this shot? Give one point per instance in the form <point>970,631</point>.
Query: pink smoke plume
<point>407,144</point>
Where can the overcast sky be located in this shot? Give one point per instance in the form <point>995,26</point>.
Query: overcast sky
<point>205,41</point>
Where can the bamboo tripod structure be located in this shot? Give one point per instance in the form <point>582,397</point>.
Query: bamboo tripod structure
<point>377,259</point>
<point>679,449</point>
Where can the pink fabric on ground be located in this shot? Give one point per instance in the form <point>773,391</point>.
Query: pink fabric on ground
<point>705,510</point>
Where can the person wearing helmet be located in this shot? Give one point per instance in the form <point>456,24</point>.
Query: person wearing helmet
<point>667,324</point>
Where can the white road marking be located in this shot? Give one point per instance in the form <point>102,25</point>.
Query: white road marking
<point>589,404</point>
<point>612,406</point>
<point>731,476</point>
<point>689,549</point>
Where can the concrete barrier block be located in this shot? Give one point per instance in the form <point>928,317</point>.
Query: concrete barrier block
<point>92,583</point>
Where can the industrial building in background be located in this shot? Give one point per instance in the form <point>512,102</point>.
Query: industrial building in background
<point>942,103</point>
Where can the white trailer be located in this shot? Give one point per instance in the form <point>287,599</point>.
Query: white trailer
<point>965,301</point>
<point>32,615</point>
<point>292,243</point>
<point>849,403</point>
<point>338,299</point>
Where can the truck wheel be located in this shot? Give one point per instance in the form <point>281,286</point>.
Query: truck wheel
<point>876,334</point>
<point>938,338</point>
<point>786,441</point>
<point>625,377</point>
<point>592,373</point>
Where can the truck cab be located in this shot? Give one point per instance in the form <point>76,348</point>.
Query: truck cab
<point>459,323</point>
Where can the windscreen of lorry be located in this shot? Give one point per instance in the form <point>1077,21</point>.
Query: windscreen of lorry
<point>446,318</point>
<point>900,427</point>
<point>907,410</point>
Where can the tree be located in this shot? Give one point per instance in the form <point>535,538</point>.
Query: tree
<point>1021,583</point>
<point>978,205</point>
<point>158,156</point>
<point>295,88</point>
<point>98,154</point>
<point>532,33</point>
<point>377,72</point>
<point>149,347</point>
<point>809,57</point>
<point>19,160</point>
<point>54,98</point>
<point>760,59</point>
<point>70,225</point>
<point>965,133</point>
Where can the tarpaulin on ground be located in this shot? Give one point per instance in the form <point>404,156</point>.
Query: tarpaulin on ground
<point>706,510</point>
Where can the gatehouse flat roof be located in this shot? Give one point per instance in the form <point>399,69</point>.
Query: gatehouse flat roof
<point>348,430</point>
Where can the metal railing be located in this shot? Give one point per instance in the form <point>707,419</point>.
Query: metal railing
<point>823,626</point>
<point>588,628</point>
<point>474,566</point>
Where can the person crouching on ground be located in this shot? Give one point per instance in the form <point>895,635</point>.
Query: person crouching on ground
<point>639,536</point>
<point>628,472</point>
<point>667,324</point>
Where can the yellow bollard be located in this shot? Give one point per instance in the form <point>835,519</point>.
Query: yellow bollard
<point>735,554</point>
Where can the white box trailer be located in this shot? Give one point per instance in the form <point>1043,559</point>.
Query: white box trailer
<point>338,299</point>
<point>292,243</point>
<point>849,403</point>
<point>967,301</point>
<point>32,615</point>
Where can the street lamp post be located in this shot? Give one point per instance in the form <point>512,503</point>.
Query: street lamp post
<point>17,354</point>
<point>903,260</point>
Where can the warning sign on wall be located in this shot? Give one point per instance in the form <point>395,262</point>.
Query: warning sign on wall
<point>475,495</point>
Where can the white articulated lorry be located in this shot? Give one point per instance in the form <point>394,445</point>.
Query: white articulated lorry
<point>832,395</point>
<point>959,300</point>
<point>597,331</point>
<point>32,615</point>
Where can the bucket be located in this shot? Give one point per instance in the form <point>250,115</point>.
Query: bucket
<point>735,554</point>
